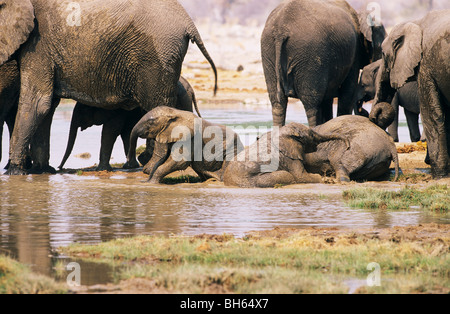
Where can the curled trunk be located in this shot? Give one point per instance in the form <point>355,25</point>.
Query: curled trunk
<point>70,142</point>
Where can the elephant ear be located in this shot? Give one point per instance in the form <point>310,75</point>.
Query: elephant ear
<point>179,127</point>
<point>403,50</point>
<point>374,33</point>
<point>16,24</point>
<point>291,148</point>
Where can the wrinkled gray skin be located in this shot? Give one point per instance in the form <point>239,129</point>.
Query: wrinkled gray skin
<point>286,164</point>
<point>313,50</point>
<point>407,97</point>
<point>370,155</point>
<point>118,123</point>
<point>111,54</point>
<point>9,99</point>
<point>170,127</point>
<point>420,51</point>
<point>9,96</point>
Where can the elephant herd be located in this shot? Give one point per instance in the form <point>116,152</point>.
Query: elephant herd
<point>121,61</point>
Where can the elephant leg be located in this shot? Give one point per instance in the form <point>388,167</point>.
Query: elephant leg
<point>167,168</point>
<point>300,175</point>
<point>342,174</point>
<point>279,108</point>
<point>347,97</point>
<point>327,110</point>
<point>110,131</point>
<point>433,117</point>
<point>393,128</point>
<point>313,108</point>
<point>159,157</point>
<point>40,144</point>
<point>34,106</point>
<point>413,125</point>
<point>270,180</point>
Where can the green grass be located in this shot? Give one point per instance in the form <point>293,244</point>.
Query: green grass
<point>298,263</point>
<point>181,179</point>
<point>435,198</point>
<point>16,278</point>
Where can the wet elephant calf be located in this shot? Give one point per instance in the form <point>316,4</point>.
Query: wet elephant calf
<point>183,140</point>
<point>277,158</point>
<point>370,155</point>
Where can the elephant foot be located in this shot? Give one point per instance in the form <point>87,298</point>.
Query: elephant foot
<point>344,179</point>
<point>145,157</point>
<point>42,170</point>
<point>440,173</point>
<point>14,170</point>
<point>104,168</point>
<point>153,181</point>
<point>131,165</point>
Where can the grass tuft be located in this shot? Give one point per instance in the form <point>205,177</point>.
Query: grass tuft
<point>435,198</point>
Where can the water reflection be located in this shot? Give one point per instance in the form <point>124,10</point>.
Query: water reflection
<point>41,213</point>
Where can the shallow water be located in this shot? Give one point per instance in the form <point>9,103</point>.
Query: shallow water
<point>43,212</point>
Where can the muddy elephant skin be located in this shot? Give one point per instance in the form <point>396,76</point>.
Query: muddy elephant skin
<point>369,157</point>
<point>184,140</point>
<point>277,158</point>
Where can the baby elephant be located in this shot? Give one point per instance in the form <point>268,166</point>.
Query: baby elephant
<point>370,155</point>
<point>277,158</point>
<point>181,140</point>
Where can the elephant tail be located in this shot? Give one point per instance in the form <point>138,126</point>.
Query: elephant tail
<point>278,68</point>
<point>195,37</point>
<point>194,101</point>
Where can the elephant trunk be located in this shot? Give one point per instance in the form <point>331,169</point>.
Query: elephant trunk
<point>70,142</point>
<point>382,114</point>
<point>131,157</point>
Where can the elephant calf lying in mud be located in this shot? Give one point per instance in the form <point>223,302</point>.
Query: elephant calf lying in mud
<point>181,140</point>
<point>370,155</point>
<point>278,158</point>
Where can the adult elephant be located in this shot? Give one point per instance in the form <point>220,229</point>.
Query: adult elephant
<point>420,51</point>
<point>406,96</point>
<point>313,50</point>
<point>109,54</point>
<point>117,123</point>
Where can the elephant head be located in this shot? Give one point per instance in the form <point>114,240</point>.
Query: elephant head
<point>382,114</point>
<point>164,124</point>
<point>374,34</point>
<point>16,24</point>
<point>402,54</point>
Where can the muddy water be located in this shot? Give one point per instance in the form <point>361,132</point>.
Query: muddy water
<point>43,212</point>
